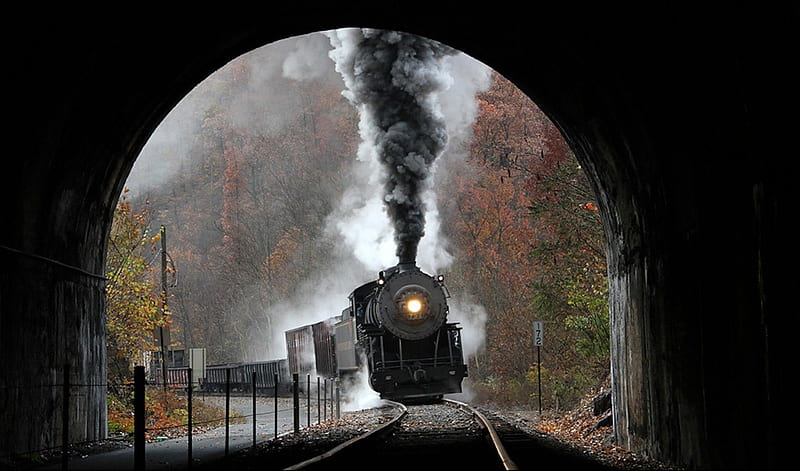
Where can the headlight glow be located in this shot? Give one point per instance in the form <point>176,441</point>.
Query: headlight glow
<point>414,305</point>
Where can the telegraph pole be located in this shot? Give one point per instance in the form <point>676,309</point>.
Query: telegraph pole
<point>163,330</point>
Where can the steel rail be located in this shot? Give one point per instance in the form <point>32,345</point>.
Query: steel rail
<point>378,430</point>
<point>505,459</point>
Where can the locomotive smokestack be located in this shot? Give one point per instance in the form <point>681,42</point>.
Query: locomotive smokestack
<point>393,79</point>
<point>406,266</point>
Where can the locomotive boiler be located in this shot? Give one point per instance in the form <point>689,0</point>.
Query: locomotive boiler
<point>397,324</point>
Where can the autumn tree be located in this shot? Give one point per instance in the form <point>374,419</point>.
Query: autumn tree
<point>133,306</point>
<point>525,224</point>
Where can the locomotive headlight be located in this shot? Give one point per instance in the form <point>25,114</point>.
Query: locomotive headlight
<point>413,309</point>
<point>414,305</point>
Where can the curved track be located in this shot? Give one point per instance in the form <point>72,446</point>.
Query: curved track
<point>354,442</point>
<point>502,454</point>
<point>449,433</point>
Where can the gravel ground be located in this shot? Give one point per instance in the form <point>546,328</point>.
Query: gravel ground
<point>576,429</point>
<point>291,448</point>
<point>556,428</point>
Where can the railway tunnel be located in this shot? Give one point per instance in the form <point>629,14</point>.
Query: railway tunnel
<point>675,113</point>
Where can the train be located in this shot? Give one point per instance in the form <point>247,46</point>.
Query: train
<point>395,328</point>
<point>397,324</point>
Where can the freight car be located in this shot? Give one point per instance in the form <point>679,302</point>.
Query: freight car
<point>241,376</point>
<point>310,350</point>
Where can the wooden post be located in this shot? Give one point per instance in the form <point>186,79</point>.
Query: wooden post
<point>138,418</point>
<point>65,419</point>
<point>539,375</point>
<point>538,341</point>
<point>227,409</point>
<point>276,405</point>
<point>308,400</point>
<point>254,408</point>
<point>189,419</point>
<point>338,399</point>
<point>296,402</point>
<point>164,341</point>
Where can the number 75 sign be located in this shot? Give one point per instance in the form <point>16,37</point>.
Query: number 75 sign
<point>538,334</point>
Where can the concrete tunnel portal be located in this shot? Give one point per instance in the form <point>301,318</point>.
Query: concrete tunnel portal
<point>674,131</point>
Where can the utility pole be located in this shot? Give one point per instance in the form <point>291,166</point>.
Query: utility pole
<point>164,330</point>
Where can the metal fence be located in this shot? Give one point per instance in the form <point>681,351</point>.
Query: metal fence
<point>319,398</point>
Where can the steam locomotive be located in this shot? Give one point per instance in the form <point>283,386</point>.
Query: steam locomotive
<point>398,325</point>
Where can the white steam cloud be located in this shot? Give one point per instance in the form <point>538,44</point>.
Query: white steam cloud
<point>360,222</point>
<point>358,394</point>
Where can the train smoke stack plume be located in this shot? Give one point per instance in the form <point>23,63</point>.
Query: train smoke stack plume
<point>393,78</point>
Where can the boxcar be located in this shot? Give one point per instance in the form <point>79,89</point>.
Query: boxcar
<point>325,347</point>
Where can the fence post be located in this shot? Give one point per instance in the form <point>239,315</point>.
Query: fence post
<point>338,400</point>
<point>65,419</point>
<point>138,418</point>
<point>227,408</point>
<point>296,402</point>
<point>319,415</point>
<point>254,408</point>
<point>276,405</point>
<point>189,418</point>
<point>308,400</point>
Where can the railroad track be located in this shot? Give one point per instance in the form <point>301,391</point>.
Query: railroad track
<point>449,433</point>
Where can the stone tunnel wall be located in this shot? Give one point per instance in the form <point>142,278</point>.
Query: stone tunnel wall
<point>684,263</point>
<point>60,326</point>
<point>684,184</point>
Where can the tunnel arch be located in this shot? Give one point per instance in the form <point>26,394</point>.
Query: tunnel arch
<point>693,281</point>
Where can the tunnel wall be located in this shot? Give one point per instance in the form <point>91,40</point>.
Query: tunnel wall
<point>687,188</point>
<point>60,306</point>
<point>71,151</point>
<point>680,127</point>
<point>85,98</point>
<point>52,290</point>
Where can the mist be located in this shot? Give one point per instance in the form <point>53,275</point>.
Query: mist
<point>359,229</point>
<point>266,103</point>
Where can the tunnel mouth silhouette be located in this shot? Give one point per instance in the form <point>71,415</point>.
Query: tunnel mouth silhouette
<point>693,281</point>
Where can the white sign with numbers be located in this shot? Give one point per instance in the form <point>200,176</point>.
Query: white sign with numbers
<point>538,334</point>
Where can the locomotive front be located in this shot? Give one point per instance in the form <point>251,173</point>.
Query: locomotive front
<point>409,303</point>
<point>402,329</point>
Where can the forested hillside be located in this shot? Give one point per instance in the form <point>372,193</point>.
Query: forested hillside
<point>256,179</point>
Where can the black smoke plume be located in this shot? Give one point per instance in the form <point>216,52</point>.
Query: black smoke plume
<point>393,77</point>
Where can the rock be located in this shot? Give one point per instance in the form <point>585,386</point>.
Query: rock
<point>602,402</point>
